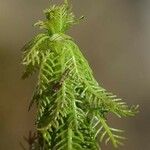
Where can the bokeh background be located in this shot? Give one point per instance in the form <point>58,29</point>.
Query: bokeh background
<point>115,38</point>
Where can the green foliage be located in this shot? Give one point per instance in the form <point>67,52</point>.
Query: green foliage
<point>71,106</point>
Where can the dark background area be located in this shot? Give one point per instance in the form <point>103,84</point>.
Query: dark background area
<point>115,38</point>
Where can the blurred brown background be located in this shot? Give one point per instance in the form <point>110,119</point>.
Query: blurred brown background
<point>115,37</point>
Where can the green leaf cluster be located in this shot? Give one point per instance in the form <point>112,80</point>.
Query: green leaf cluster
<point>71,106</point>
